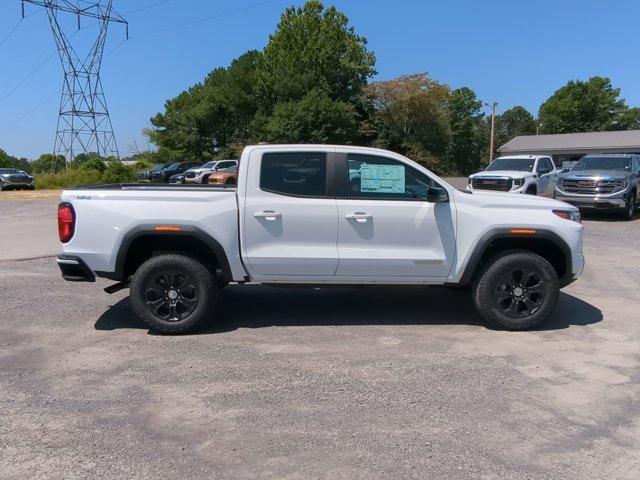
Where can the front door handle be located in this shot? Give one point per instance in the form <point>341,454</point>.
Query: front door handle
<point>359,217</point>
<point>269,215</point>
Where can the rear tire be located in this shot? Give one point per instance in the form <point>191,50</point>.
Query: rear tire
<point>516,291</point>
<point>174,293</point>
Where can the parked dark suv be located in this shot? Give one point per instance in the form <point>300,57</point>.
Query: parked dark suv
<point>145,175</point>
<point>607,182</point>
<point>162,176</point>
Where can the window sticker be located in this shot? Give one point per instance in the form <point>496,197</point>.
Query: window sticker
<point>382,178</point>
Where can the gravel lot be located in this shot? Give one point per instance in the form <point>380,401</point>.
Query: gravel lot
<point>358,383</point>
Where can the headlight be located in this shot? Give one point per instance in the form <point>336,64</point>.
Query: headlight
<point>568,215</point>
<point>518,182</point>
<point>4,175</point>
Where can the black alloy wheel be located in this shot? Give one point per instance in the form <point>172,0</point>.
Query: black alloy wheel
<point>520,293</point>
<point>171,295</point>
<point>174,293</point>
<point>515,290</point>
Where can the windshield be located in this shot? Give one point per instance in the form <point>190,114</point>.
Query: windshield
<point>515,164</point>
<point>158,167</point>
<point>174,166</point>
<point>210,164</point>
<point>8,170</point>
<point>604,163</point>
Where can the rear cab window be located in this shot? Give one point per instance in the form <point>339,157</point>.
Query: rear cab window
<point>298,174</point>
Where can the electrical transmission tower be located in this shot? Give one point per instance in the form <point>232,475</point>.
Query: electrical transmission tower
<point>83,123</point>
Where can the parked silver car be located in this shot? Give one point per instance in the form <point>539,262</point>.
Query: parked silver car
<point>14,178</point>
<point>607,182</point>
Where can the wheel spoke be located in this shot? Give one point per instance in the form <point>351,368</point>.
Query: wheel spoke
<point>190,303</point>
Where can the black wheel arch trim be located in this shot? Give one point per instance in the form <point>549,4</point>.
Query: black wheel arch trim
<point>149,230</point>
<point>496,234</point>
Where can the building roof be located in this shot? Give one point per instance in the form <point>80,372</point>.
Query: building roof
<point>595,142</point>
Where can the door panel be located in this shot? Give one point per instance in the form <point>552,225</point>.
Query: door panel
<point>398,239</point>
<point>285,232</point>
<point>387,229</point>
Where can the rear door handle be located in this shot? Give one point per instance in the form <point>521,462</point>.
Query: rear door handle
<point>359,217</point>
<point>269,215</point>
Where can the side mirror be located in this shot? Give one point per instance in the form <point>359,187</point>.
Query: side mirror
<point>437,195</point>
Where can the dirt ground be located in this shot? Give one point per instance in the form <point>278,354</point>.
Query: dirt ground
<point>29,194</point>
<point>349,383</point>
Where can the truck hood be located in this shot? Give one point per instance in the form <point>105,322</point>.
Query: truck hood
<point>502,173</point>
<point>490,198</point>
<point>593,174</point>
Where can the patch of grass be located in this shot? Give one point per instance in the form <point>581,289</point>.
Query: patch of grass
<point>115,172</point>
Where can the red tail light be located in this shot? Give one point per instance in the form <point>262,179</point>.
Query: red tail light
<point>66,222</point>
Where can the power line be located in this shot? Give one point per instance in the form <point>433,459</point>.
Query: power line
<point>28,113</point>
<point>205,19</point>
<point>15,27</point>
<point>29,75</point>
<point>142,9</point>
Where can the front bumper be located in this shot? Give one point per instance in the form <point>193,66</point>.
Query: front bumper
<point>613,200</point>
<point>74,269</point>
<point>11,184</point>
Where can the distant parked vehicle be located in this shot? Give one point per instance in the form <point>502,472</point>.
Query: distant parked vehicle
<point>145,175</point>
<point>177,178</point>
<point>201,174</point>
<point>531,174</point>
<point>14,178</point>
<point>608,182</point>
<point>227,176</point>
<point>163,175</point>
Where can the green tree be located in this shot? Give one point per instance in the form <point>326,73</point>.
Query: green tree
<point>6,160</point>
<point>94,163</point>
<point>629,119</point>
<point>48,162</point>
<point>583,106</point>
<point>513,122</point>
<point>469,135</point>
<point>313,48</point>
<point>410,116</point>
<point>313,119</point>
<point>209,117</point>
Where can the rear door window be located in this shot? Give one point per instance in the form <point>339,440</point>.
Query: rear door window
<point>294,173</point>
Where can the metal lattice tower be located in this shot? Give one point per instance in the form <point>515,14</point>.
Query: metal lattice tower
<point>83,123</point>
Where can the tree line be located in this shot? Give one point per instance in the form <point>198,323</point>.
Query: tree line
<point>312,83</point>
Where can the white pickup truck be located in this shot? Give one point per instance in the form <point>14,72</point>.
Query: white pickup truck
<point>530,174</point>
<point>319,215</point>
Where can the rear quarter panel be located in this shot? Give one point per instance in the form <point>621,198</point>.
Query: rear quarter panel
<point>105,217</point>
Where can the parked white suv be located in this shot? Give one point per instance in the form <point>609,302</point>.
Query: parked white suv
<point>300,215</point>
<point>201,174</point>
<point>531,174</point>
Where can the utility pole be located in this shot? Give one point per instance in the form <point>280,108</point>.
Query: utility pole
<point>493,123</point>
<point>83,119</point>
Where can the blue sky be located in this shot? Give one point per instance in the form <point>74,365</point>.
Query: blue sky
<point>512,52</point>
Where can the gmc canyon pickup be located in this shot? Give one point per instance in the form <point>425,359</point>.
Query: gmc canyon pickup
<point>319,215</point>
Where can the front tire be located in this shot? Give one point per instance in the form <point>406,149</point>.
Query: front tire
<point>516,291</point>
<point>630,207</point>
<point>173,293</point>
